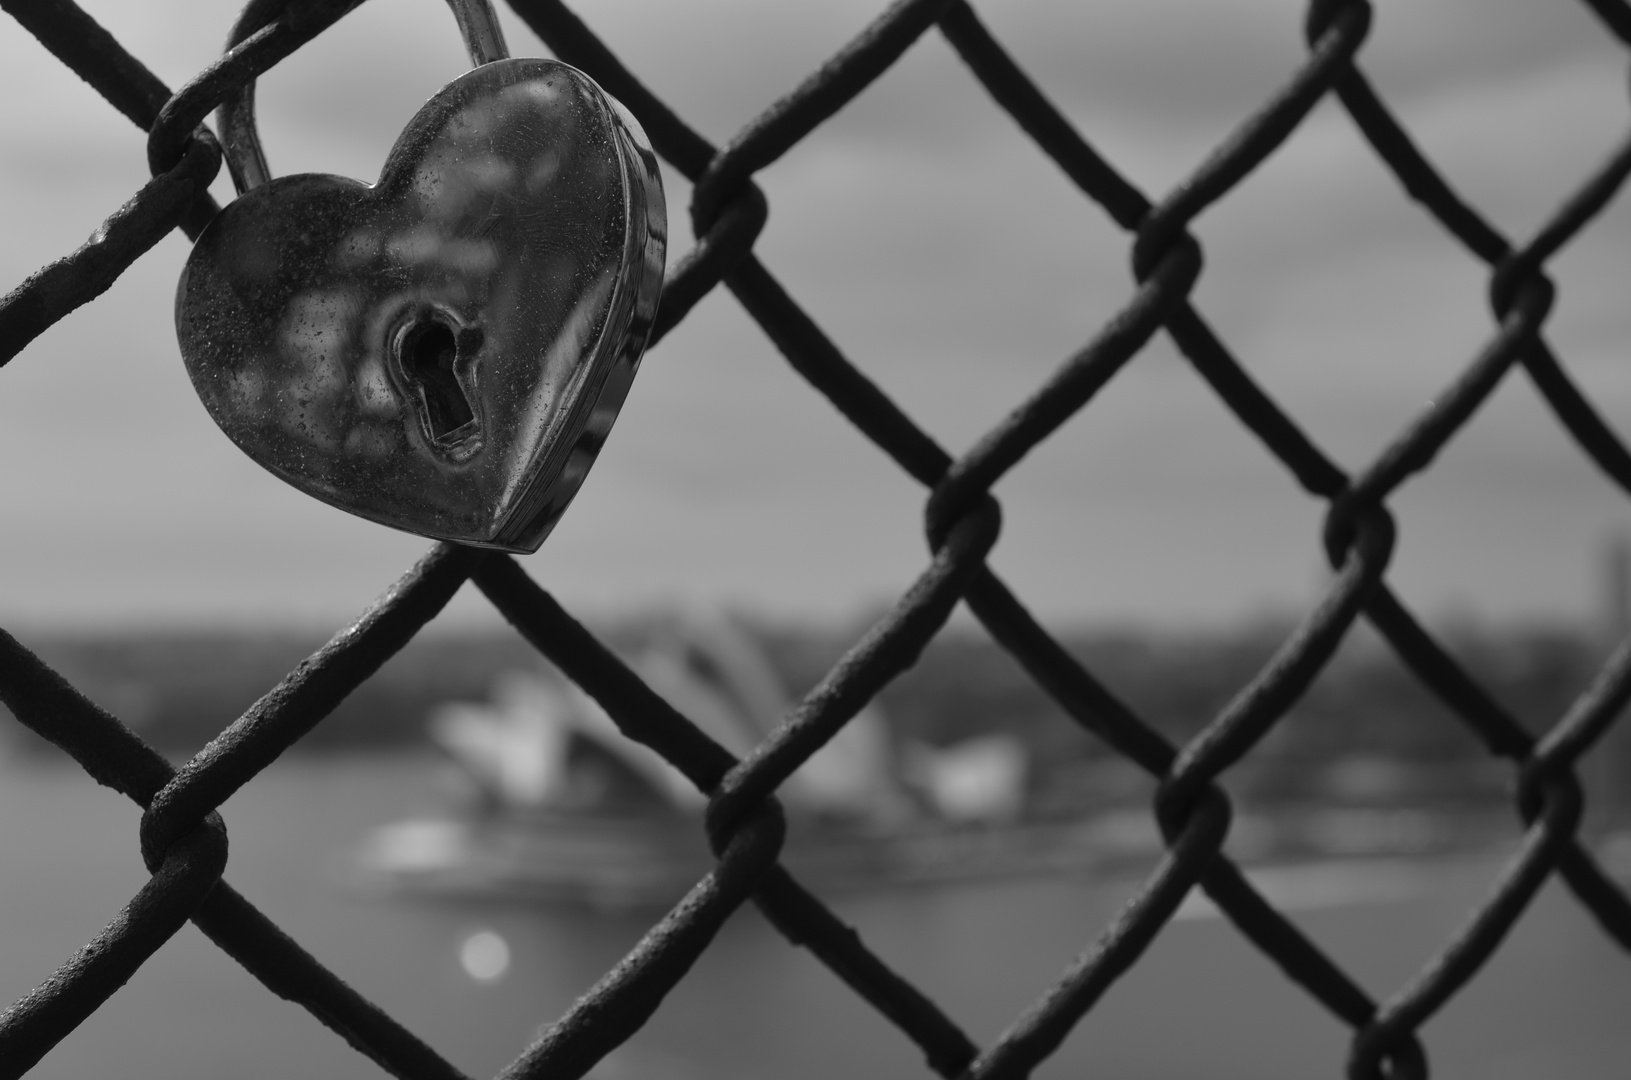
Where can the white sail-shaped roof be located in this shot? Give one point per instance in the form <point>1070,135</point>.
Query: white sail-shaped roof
<point>717,676</point>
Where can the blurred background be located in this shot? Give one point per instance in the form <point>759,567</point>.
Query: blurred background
<point>175,581</point>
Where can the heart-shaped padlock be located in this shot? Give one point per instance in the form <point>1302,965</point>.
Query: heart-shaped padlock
<point>443,352</point>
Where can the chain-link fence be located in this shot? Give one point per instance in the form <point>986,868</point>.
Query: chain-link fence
<point>183,839</point>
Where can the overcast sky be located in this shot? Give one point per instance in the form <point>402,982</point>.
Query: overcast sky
<point>954,265</point>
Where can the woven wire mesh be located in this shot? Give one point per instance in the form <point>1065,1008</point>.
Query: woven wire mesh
<point>183,839</point>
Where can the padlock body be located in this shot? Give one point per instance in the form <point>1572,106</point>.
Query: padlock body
<point>445,351</point>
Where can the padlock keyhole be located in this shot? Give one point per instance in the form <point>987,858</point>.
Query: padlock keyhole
<point>430,353</point>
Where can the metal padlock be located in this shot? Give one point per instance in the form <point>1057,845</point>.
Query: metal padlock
<point>444,351</point>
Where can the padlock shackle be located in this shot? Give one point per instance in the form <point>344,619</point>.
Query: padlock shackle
<point>483,40</point>
<point>240,136</point>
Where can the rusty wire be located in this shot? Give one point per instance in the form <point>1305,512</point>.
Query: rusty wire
<point>183,839</point>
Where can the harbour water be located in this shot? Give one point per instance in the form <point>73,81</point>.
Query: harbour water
<point>477,981</point>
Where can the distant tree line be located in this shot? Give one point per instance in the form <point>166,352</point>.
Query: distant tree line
<point>180,689</point>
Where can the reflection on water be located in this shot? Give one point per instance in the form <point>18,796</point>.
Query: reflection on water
<point>477,981</point>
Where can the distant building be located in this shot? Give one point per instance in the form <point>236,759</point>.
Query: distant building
<point>542,743</point>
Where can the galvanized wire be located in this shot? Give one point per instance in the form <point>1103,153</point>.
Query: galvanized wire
<point>183,839</point>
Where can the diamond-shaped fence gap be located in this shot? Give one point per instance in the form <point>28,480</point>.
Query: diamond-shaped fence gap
<point>1509,136</point>
<point>1160,485</point>
<point>951,261</point>
<point>1466,546</point>
<point>785,509</point>
<point>1318,788</point>
<point>1343,301</point>
<point>963,692</point>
